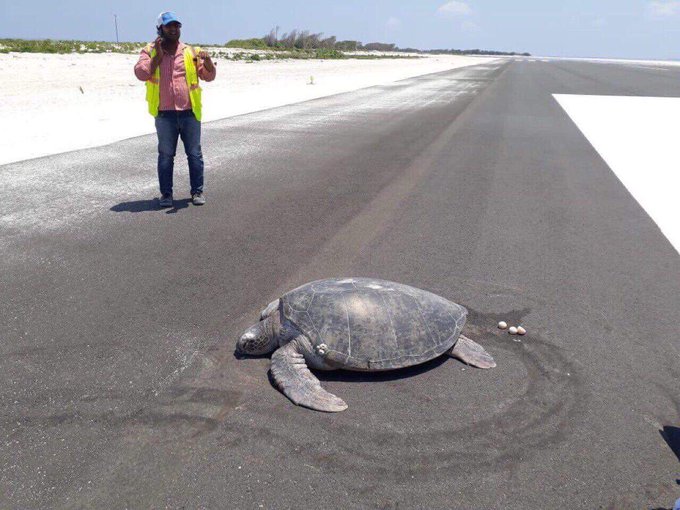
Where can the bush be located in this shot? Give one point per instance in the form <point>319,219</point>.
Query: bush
<point>376,46</point>
<point>247,44</point>
<point>329,54</point>
<point>51,46</point>
<point>347,45</point>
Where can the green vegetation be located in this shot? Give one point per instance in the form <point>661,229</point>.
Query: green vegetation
<point>282,55</point>
<point>263,51</point>
<point>306,40</point>
<point>52,46</point>
<point>247,44</point>
<point>475,52</point>
<point>297,44</point>
<point>329,54</point>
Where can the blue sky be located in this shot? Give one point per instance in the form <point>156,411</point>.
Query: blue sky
<point>594,28</point>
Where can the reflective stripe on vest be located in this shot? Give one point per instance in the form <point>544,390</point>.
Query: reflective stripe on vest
<point>153,87</point>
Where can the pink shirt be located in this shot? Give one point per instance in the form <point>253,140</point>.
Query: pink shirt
<point>174,88</point>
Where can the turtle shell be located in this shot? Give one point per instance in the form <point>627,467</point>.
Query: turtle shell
<point>368,324</point>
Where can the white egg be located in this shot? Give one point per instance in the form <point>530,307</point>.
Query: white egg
<point>502,325</point>
<point>521,330</point>
<point>512,330</point>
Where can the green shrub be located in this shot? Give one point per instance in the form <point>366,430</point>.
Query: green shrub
<point>51,46</point>
<point>328,53</point>
<point>247,44</point>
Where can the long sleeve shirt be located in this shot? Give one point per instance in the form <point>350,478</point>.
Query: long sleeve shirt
<point>173,84</point>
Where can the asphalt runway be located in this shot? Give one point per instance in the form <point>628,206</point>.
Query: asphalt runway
<point>119,385</point>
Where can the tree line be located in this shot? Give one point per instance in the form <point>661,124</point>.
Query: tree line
<point>307,40</point>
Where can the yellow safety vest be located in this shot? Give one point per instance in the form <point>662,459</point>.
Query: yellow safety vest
<point>153,86</point>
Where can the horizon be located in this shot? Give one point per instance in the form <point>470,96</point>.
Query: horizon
<point>575,31</point>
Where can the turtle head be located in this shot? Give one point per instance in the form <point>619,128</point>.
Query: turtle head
<point>258,339</point>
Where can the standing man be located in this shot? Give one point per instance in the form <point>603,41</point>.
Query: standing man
<point>171,70</point>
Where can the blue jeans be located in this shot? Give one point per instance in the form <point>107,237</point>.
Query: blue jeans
<point>169,126</point>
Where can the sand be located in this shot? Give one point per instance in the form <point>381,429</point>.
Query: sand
<point>59,103</point>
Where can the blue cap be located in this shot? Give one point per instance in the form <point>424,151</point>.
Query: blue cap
<point>166,17</point>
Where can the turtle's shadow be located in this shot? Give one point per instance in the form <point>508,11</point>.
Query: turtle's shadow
<point>388,375</point>
<point>350,376</point>
<point>241,356</point>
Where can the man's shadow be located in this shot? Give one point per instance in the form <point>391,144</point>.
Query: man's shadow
<point>151,205</point>
<point>672,436</point>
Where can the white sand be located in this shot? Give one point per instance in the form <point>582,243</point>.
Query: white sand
<point>58,103</point>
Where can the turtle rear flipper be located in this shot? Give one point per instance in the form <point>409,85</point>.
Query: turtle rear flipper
<point>471,353</point>
<point>292,376</point>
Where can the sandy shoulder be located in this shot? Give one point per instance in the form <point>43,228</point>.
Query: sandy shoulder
<point>59,103</point>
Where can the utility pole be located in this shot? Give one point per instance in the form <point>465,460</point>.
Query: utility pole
<point>115,21</point>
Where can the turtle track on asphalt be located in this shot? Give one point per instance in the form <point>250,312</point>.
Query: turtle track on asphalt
<point>538,418</point>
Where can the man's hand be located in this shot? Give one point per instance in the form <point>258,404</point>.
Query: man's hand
<point>207,62</point>
<point>156,61</point>
<point>157,46</point>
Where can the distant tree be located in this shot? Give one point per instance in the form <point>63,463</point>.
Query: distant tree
<point>301,39</point>
<point>271,39</point>
<point>328,43</point>
<point>306,40</point>
<point>379,47</point>
<point>475,51</point>
<point>314,41</point>
<point>288,40</point>
<point>347,45</point>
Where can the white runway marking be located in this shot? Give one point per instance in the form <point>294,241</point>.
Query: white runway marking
<point>638,138</point>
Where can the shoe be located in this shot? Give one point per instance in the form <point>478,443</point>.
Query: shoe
<point>166,200</point>
<point>198,198</point>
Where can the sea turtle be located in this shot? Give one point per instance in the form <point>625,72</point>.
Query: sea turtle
<point>358,324</point>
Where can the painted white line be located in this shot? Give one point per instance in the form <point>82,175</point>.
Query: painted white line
<point>638,138</point>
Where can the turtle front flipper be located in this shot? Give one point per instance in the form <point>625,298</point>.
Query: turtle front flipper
<point>292,376</point>
<point>271,308</point>
<point>471,353</point>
